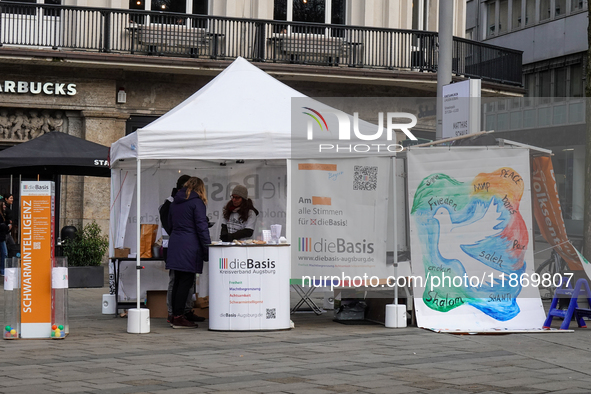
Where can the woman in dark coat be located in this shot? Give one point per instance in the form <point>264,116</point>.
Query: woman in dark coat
<point>188,244</point>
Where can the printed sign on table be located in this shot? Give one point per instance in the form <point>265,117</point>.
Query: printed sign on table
<point>471,240</point>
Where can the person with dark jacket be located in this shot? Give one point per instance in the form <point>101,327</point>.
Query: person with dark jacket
<point>188,246</point>
<point>164,211</point>
<point>239,216</point>
<point>165,208</point>
<point>5,226</point>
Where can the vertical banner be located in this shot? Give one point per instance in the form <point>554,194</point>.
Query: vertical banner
<point>548,212</point>
<point>338,217</point>
<point>37,240</point>
<point>471,240</point>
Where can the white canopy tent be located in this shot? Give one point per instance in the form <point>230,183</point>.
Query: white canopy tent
<point>241,115</point>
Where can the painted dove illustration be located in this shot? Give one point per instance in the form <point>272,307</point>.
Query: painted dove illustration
<point>452,236</point>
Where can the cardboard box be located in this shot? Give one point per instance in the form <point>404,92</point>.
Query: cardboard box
<point>156,303</point>
<point>202,312</point>
<point>122,252</point>
<point>202,302</point>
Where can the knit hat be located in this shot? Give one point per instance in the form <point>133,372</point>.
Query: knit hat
<point>240,191</point>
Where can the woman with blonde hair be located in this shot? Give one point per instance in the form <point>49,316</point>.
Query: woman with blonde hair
<point>188,244</point>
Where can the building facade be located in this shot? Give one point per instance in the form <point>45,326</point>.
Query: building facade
<point>553,37</point>
<point>99,69</point>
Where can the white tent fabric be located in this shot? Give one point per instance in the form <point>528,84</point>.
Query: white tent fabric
<point>243,113</point>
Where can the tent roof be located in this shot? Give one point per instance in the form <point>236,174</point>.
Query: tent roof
<point>56,153</point>
<point>243,113</point>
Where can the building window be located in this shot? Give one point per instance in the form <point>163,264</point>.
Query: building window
<point>136,5</point>
<point>545,10</point>
<point>490,19</point>
<point>195,7</point>
<point>503,16</point>
<point>200,7</point>
<point>314,11</point>
<point>530,89</point>
<point>530,11</point>
<point>310,11</point>
<point>559,84</point>
<point>179,6</point>
<point>578,5</point>
<point>516,14</point>
<point>576,80</point>
<point>559,7</point>
<point>497,17</point>
<point>544,87</point>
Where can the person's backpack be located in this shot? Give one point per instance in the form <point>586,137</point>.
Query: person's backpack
<point>163,211</point>
<point>11,246</point>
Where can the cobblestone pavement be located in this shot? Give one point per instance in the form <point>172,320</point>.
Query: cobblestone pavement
<point>318,356</point>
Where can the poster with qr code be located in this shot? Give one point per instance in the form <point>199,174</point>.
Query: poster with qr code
<point>338,216</point>
<point>471,240</point>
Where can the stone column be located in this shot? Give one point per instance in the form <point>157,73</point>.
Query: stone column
<point>103,128</point>
<point>72,186</point>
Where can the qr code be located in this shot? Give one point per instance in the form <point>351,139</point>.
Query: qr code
<point>271,313</point>
<point>36,245</point>
<point>365,178</point>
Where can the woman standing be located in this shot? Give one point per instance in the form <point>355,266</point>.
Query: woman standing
<point>188,245</point>
<point>239,216</point>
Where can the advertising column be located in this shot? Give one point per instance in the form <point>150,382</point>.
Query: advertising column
<point>249,288</point>
<point>37,240</point>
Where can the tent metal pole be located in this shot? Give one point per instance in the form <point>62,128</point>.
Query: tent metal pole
<point>138,229</point>
<point>395,235</point>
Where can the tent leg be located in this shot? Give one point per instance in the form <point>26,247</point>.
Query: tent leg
<point>138,320</point>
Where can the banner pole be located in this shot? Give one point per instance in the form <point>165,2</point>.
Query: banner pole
<point>138,229</point>
<point>394,174</point>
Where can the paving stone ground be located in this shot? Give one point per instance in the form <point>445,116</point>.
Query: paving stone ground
<point>318,356</point>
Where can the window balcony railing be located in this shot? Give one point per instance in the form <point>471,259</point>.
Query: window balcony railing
<point>172,34</point>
